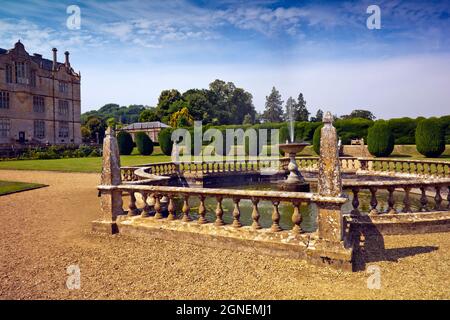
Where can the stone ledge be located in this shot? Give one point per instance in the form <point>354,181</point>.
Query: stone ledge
<point>285,244</point>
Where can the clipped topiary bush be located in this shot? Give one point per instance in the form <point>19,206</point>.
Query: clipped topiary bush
<point>144,144</point>
<point>165,141</point>
<point>316,139</point>
<point>430,138</point>
<point>125,142</point>
<point>380,140</point>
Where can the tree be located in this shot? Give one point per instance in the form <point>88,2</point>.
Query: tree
<point>380,140</point>
<point>290,110</point>
<point>247,119</point>
<point>165,141</point>
<point>181,118</point>
<point>166,98</point>
<point>97,128</point>
<point>148,115</point>
<point>364,114</point>
<point>144,144</point>
<point>430,138</point>
<point>318,117</point>
<point>316,139</point>
<point>274,110</point>
<point>302,113</point>
<point>125,142</point>
<point>85,134</point>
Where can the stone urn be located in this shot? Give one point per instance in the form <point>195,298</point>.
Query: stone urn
<point>295,180</point>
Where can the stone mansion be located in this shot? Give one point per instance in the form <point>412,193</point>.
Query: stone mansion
<point>39,99</point>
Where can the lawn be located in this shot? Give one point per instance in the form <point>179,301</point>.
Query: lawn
<point>95,164</point>
<point>7,187</point>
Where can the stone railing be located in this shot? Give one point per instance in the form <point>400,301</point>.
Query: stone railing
<point>427,189</point>
<point>405,167</point>
<point>158,201</point>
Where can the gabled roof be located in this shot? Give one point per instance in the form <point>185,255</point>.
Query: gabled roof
<point>145,125</point>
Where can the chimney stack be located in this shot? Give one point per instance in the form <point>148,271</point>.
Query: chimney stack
<point>55,63</point>
<point>67,59</point>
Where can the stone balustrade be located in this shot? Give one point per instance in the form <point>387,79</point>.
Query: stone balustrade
<point>158,201</point>
<point>405,167</point>
<point>405,187</point>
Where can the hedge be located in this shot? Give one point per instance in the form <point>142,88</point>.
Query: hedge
<point>165,141</point>
<point>316,139</point>
<point>144,144</point>
<point>430,138</point>
<point>380,140</point>
<point>125,142</point>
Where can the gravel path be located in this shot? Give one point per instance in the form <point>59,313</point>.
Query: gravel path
<point>46,230</point>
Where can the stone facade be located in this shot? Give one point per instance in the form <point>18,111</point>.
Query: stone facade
<point>39,99</point>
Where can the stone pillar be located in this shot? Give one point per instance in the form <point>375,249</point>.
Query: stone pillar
<point>111,199</point>
<point>330,223</point>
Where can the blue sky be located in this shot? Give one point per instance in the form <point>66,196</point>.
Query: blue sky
<point>128,51</point>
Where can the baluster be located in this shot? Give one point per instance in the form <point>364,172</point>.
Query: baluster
<point>406,200</point>
<point>296,218</point>
<point>186,209</point>
<point>423,199</point>
<point>158,207</point>
<point>355,201</point>
<point>202,211</point>
<point>236,213</point>
<point>219,213</point>
<point>171,209</point>
<point>438,198</point>
<point>448,198</point>
<point>133,209</point>
<point>391,201</point>
<point>146,209</point>
<point>255,214</point>
<point>275,217</point>
<point>373,200</point>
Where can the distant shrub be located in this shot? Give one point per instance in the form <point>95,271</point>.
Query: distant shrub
<point>144,144</point>
<point>316,139</point>
<point>430,139</point>
<point>403,130</point>
<point>355,128</point>
<point>165,141</point>
<point>380,140</point>
<point>95,153</point>
<point>125,142</point>
<point>445,123</point>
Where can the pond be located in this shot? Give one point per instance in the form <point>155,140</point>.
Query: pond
<point>309,213</point>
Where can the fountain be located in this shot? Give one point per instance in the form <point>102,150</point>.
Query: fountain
<point>295,180</point>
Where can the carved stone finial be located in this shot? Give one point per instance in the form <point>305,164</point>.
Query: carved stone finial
<point>328,118</point>
<point>330,182</point>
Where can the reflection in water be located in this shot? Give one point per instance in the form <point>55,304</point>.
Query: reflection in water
<point>309,213</point>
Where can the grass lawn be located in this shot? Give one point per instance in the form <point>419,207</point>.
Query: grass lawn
<point>95,164</point>
<point>7,187</point>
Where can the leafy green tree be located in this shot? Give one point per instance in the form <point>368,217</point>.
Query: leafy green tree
<point>274,107</point>
<point>290,109</point>
<point>364,114</point>
<point>302,113</point>
<point>166,98</point>
<point>318,117</point>
<point>380,140</point>
<point>148,115</point>
<point>430,138</point>
<point>125,142</point>
<point>97,128</point>
<point>144,144</point>
<point>247,119</point>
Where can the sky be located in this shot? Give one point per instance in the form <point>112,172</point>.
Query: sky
<point>128,51</point>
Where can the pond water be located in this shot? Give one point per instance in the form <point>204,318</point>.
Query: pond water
<point>309,213</point>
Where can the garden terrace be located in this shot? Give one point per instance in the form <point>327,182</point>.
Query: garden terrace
<point>154,191</point>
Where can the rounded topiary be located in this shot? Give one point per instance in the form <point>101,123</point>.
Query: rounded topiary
<point>144,144</point>
<point>380,140</point>
<point>125,142</point>
<point>165,141</point>
<point>430,139</point>
<point>316,139</point>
